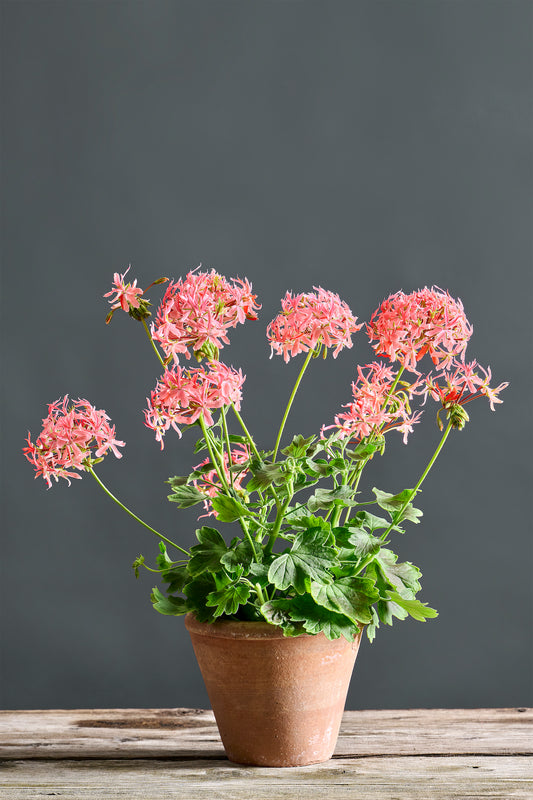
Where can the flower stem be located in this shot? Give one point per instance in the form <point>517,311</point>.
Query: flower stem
<point>291,398</point>
<point>412,494</point>
<point>135,517</point>
<point>246,432</point>
<point>158,354</point>
<point>228,445</point>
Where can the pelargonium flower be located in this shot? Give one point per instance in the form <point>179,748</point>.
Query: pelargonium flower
<point>209,483</point>
<point>73,435</point>
<point>461,384</point>
<point>123,295</point>
<point>318,317</point>
<point>374,409</point>
<point>182,396</point>
<point>196,313</point>
<point>407,326</point>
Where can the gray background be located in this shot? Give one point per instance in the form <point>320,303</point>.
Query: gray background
<point>363,146</point>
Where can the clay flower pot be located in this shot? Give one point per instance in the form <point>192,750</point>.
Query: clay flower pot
<point>278,701</point>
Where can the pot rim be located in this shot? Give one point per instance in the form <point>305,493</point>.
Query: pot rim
<point>235,629</point>
<point>248,629</point>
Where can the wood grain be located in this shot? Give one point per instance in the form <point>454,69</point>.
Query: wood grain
<point>438,754</point>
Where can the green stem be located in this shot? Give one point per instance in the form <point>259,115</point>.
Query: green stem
<point>279,519</point>
<point>291,398</point>
<point>432,460</point>
<point>228,444</point>
<point>246,432</point>
<point>218,468</point>
<point>135,517</point>
<point>158,354</point>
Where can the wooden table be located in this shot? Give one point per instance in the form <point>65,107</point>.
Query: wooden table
<point>156,754</point>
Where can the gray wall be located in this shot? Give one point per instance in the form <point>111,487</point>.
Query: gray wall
<point>363,146</point>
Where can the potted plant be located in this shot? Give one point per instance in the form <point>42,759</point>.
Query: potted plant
<point>276,612</point>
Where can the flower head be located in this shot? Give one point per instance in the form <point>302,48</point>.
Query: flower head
<point>70,434</point>
<point>306,320</point>
<point>407,326</point>
<point>123,295</point>
<point>182,396</point>
<point>460,384</point>
<point>196,313</point>
<point>376,407</point>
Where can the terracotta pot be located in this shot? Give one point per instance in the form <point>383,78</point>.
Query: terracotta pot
<point>278,701</point>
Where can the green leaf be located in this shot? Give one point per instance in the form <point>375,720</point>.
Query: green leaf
<point>317,619</point>
<point>362,543</point>
<point>228,599</point>
<point>394,502</point>
<point>374,625</point>
<point>327,498</point>
<point>186,496</point>
<point>300,566</point>
<point>228,509</point>
<point>299,446</point>
<point>276,612</point>
<point>302,521</point>
<point>416,609</point>
<point>263,475</point>
<point>349,596</point>
<point>173,606</point>
<point>177,481</point>
<point>363,519</point>
<point>387,609</point>
<point>365,450</point>
<point>196,592</point>
<point>205,557</point>
<point>320,535</point>
<point>239,555</point>
<point>403,576</point>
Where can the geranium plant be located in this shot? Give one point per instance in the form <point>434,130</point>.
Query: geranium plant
<point>313,552</point>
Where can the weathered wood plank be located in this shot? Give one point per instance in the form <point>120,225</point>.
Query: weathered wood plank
<point>398,778</point>
<point>185,733</point>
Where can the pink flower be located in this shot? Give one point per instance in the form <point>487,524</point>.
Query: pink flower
<point>182,396</point>
<point>308,320</point>
<point>70,433</point>
<point>209,483</point>
<point>196,313</point>
<point>126,294</point>
<point>407,326</point>
<point>374,409</point>
<point>463,383</point>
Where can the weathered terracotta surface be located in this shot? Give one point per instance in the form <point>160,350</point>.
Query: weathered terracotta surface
<point>277,701</point>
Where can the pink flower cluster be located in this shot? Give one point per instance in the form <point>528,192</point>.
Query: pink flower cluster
<point>374,409</point>
<point>70,433</point>
<point>462,383</point>
<point>196,313</point>
<point>319,317</point>
<point>407,326</point>
<point>182,396</point>
<point>126,295</point>
<point>209,484</point>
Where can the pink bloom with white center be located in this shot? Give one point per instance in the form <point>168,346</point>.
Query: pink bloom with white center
<point>407,326</point>
<point>125,294</point>
<point>374,409</point>
<point>307,320</point>
<point>182,396</point>
<point>196,313</point>
<point>70,433</point>
<point>463,383</point>
<point>209,483</point>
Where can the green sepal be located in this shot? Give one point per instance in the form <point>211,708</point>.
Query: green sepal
<point>139,561</point>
